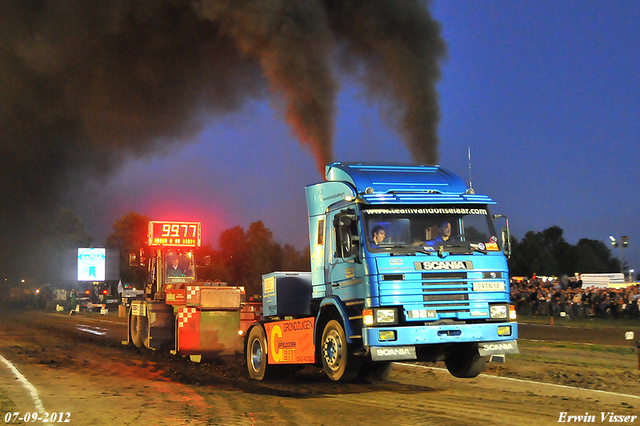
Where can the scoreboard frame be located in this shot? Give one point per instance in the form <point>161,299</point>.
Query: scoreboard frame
<point>165,233</point>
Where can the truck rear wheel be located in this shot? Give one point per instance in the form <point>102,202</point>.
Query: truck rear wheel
<point>465,362</point>
<point>338,361</point>
<point>257,353</point>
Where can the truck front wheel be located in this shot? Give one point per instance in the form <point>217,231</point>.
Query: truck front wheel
<point>465,362</point>
<point>257,353</point>
<point>338,362</point>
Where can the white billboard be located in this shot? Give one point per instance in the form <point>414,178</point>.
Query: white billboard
<point>91,264</point>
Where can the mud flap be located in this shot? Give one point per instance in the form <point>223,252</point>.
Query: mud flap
<point>161,325</point>
<point>498,348</point>
<point>128,341</point>
<point>393,353</point>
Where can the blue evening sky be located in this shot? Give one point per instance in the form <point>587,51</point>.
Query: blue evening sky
<point>546,94</point>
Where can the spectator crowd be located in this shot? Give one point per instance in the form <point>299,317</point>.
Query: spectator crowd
<point>563,297</point>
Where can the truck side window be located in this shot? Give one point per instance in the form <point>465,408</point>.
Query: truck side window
<point>320,232</point>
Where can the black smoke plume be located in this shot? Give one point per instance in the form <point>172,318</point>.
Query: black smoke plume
<point>86,84</point>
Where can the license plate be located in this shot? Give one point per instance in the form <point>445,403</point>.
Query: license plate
<point>488,286</point>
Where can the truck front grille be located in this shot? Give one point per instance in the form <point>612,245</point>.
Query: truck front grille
<point>444,297</point>
<point>445,276</point>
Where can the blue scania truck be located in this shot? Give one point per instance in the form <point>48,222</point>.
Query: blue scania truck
<point>406,265</point>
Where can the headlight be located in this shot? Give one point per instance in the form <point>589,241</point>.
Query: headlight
<point>385,316</point>
<point>498,311</point>
<point>379,316</point>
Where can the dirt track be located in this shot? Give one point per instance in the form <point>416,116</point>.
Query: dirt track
<point>99,381</point>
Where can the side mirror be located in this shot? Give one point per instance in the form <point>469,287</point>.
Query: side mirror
<point>137,259</point>
<point>506,241</point>
<point>345,221</point>
<point>346,232</point>
<point>506,235</point>
<point>346,242</point>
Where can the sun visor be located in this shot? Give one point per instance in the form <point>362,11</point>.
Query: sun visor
<point>391,178</point>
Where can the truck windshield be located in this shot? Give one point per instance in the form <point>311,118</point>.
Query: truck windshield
<point>179,266</point>
<point>430,228</point>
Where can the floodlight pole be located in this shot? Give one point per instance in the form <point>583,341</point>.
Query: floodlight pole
<point>620,246</point>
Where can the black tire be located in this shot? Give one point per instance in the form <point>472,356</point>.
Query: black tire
<point>139,330</point>
<point>465,362</point>
<point>337,360</point>
<point>257,353</point>
<point>375,372</point>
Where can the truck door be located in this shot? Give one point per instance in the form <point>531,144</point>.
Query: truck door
<point>345,269</point>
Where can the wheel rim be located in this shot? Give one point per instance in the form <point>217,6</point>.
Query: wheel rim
<point>256,355</point>
<point>332,350</point>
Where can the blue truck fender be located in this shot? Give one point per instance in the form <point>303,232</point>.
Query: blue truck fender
<point>334,303</point>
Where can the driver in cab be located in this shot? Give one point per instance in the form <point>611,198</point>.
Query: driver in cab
<point>174,270</point>
<point>378,234</point>
<point>444,234</point>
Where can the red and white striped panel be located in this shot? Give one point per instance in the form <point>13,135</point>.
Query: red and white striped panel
<point>193,294</point>
<point>184,315</point>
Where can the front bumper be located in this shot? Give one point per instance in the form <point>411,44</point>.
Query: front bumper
<point>440,334</point>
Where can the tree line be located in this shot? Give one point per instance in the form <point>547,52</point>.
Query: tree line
<point>548,253</point>
<point>242,256</point>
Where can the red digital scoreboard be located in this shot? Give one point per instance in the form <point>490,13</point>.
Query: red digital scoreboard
<point>175,234</point>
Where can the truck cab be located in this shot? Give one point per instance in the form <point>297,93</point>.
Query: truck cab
<point>435,287</point>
